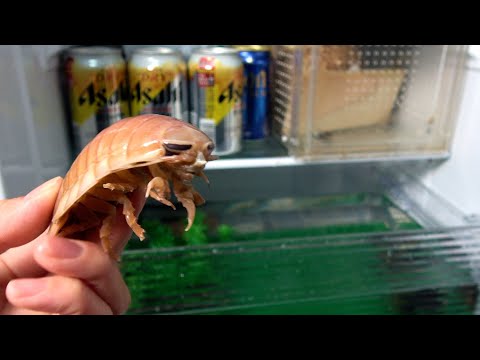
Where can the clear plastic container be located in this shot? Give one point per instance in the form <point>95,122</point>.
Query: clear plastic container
<point>380,247</point>
<point>357,101</point>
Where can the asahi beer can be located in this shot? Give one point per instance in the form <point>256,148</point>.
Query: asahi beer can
<point>158,83</point>
<point>256,60</point>
<point>216,84</point>
<point>98,92</point>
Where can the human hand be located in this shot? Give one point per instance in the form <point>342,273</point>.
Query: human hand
<point>44,274</point>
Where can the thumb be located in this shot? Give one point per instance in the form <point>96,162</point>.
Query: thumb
<point>24,218</point>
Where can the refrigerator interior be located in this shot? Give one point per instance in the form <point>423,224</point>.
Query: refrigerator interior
<point>291,225</point>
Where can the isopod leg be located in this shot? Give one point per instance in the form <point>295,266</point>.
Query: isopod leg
<point>189,198</point>
<point>103,207</point>
<point>204,177</point>
<point>130,217</point>
<point>105,232</point>
<point>158,188</point>
<point>123,187</point>
<point>197,198</point>
<point>128,209</point>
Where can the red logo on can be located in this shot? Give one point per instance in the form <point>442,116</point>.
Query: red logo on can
<point>207,63</point>
<point>206,77</point>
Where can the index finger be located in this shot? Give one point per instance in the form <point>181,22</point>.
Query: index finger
<point>25,218</point>
<point>86,261</point>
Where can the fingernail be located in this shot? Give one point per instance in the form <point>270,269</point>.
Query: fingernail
<point>62,248</point>
<point>26,287</point>
<point>43,188</point>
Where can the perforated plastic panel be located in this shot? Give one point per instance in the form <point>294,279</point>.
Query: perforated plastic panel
<point>366,100</point>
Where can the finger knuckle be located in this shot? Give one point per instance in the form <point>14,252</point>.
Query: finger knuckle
<point>78,297</point>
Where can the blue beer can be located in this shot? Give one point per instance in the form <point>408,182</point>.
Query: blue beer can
<point>255,105</point>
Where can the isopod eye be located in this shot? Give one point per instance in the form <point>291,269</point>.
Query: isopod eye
<point>177,147</point>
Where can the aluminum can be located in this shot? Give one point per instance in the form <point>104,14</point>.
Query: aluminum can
<point>216,84</point>
<point>256,97</point>
<point>98,92</point>
<point>158,83</point>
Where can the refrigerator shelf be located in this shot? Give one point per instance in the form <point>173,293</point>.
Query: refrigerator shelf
<point>269,152</point>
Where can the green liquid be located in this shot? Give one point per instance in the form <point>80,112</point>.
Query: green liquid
<point>294,256</point>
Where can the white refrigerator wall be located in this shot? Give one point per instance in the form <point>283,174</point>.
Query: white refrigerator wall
<point>33,138</point>
<point>457,179</point>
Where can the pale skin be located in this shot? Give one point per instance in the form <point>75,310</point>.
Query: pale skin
<point>45,274</point>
